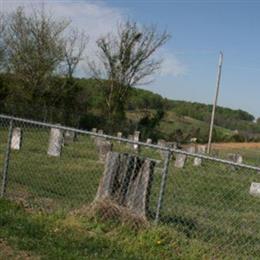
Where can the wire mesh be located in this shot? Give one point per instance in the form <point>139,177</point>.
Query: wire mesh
<point>206,199</point>
<point>57,169</point>
<point>212,203</point>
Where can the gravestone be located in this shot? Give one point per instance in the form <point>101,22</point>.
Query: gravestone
<point>191,149</point>
<point>149,141</point>
<point>136,139</point>
<point>162,143</point>
<point>127,182</point>
<point>99,139</point>
<point>104,147</point>
<point>180,160</point>
<point>69,137</point>
<point>172,145</point>
<point>93,130</point>
<point>131,138</point>
<point>235,157</point>
<point>100,131</point>
<point>16,141</point>
<point>197,161</point>
<point>119,135</point>
<point>201,149</point>
<point>255,189</point>
<point>55,142</point>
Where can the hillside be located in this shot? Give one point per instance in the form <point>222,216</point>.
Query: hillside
<point>153,115</point>
<point>180,119</point>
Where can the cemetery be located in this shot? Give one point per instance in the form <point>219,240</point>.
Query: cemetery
<point>97,165</point>
<point>201,197</point>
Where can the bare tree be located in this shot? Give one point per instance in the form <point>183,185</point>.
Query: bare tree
<point>126,60</point>
<point>75,45</point>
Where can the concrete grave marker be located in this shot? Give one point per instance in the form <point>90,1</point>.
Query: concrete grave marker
<point>163,143</point>
<point>255,189</point>
<point>119,135</point>
<point>136,139</point>
<point>191,149</point>
<point>99,139</point>
<point>149,141</point>
<point>201,149</point>
<point>197,161</point>
<point>55,142</point>
<point>69,137</point>
<point>16,141</point>
<point>235,157</point>
<point>131,138</point>
<point>180,160</point>
<point>100,131</point>
<point>93,130</point>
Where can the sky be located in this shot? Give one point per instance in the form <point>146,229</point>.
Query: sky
<point>199,29</point>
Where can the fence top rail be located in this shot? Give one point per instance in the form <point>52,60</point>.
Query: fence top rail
<point>158,147</point>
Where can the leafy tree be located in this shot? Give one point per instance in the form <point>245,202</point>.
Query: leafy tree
<point>35,49</point>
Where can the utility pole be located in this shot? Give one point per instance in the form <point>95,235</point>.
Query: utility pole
<point>215,101</point>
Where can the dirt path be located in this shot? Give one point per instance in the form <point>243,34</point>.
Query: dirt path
<point>236,145</point>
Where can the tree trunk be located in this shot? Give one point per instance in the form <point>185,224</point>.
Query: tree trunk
<point>127,181</point>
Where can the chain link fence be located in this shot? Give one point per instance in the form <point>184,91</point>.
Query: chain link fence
<point>51,167</point>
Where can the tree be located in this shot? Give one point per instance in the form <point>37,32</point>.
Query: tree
<point>125,60</point>
<point>75,45</point>
<point>35,50</point>
<point>2,45</point>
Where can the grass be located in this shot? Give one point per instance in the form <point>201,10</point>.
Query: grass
<point>207,210</point>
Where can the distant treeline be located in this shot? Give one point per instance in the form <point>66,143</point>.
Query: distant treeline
<point>83,108</point>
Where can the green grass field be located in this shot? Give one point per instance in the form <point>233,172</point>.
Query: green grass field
<point>207,211</point>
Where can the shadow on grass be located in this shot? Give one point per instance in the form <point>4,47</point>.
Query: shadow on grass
<point>182,224</point>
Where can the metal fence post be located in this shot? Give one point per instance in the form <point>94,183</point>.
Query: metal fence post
<point>163,186</point>
<point>6,160</point>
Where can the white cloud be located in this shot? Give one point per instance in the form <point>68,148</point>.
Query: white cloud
<point>171,65</point>
<point>96,18</point>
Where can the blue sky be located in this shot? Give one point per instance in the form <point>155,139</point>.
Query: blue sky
<point>199,29</point>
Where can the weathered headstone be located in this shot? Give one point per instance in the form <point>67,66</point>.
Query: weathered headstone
<point>127,181</point>
<point>100,131</point>
<point>55,142</point>
<point>173,145</point>
<point>136,139</point>
<point>99,139</point>
<point>69,137</point>
<point>197,161</point>
<point>201,149</point>
<point>149,141</point>
<point>119,135</point>
<point>131,138</point>
<point>235,157</point>
<point>93,130</point>
<point>180,160</point>
<point>104,147</point>
<point>239,159</point>
<point>162,142</point>
<point>16,141</point>
<point>255,189</point>
<point>191,149</point>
